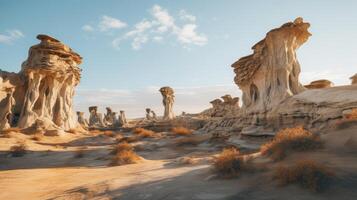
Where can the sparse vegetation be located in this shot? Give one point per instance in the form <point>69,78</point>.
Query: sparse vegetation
<point>353,114</point>
<point>230,163</point>
<point>130,139</point>
<point>18,150</point>
<point>182,131</point>
<point>124,154</point>
<point>109,133</point>
<point>190,140</point>
<point>290,140</point>
<point>144,132</point>
<point>306,173</point>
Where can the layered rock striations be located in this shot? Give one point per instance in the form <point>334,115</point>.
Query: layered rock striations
<point>273,97</point>
<point>44,88</point>
<point>271,73</point>
<point>168,102</point>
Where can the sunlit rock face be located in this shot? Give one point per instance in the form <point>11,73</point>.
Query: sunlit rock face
<point>168,102</point>
<point>51,72</point>
<point>228,107</point>
<point>271,73</point>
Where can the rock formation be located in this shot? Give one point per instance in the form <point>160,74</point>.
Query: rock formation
<point>271,73</point>
<point>81,120</point>
<point>273,98</point>
<point>110,117</point>
<point>122,119</point>
<point>353,79</point>
<point>95,118</point>
<point>44,87</point>
<point>168,102</point>
<point>228,107</point>
<point>153,115</point>
<point>6,111</point>
<point>148,114</point>
<point>318,84</point>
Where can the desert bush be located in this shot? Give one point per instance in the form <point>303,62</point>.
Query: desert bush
<point>130,139</point>
<point>144,132</point>
<point>191,140</point>
<point>229,163</point>
<point>109,133</point>
<point>18,150</point>
<point>181,131</point>
<point>123,146</point>
<point>124,154</point>
<point>306,173</point>
<point>125,157</point>
<point>290,140</point>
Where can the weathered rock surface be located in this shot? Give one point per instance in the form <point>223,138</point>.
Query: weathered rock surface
<point>271,73</point>
<point>273,98</point>
<point>228,107</point>
<point>44,87</point>
<point>168,102</point>
<point>95,118</point>
<point>353,79</point>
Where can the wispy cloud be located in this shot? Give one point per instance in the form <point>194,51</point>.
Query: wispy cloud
<point>87,28</point>
<point>134,102</point>
<point>10,36</point>
<point>161,25</point>
<point>108,23</point>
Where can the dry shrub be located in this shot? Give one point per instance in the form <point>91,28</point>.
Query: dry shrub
<point>290,140</point>
<point>123,146</point>
<point>186,161</point>
<point>130,139</point>
<point>230,163</point>
<point>191,140</point>
<point>182,131</point>
<point>109,133</point>
<point>124,154</point>
<point>18,150</point>
<point>13,129</point>
<point>306,173</point>
<point>144,132</point>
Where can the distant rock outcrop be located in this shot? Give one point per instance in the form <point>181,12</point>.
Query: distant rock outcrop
<point>43,90</point>
<point>353,79</point>
<point>168,102</point>
<point>228,107</point>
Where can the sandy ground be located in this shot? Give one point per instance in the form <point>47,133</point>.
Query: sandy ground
<point>51,170</point>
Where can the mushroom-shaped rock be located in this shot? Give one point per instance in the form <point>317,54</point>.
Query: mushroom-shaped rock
<point>51,72</point>
<point>353,79</point>
<point>168,102</point>
<point>271,73</point>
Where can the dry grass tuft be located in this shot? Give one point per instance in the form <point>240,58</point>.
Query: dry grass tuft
<point>130,139</point>
<point>306,173</point>
<point>182,131</point>
<point>18,150</point>
<point>144,132</point>
<point>290,140</point>
<point>230,163</point>
<point>109,133</point>
<point>124,154</point>
<point>190,140</point>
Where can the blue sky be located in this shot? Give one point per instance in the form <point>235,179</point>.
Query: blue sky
<point>131,48</point>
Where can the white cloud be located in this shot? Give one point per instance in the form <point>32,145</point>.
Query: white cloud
<point>161,25</point>
<point>188,35</point>
<point>139,41</point>
<point>186,16</point>
<point>164,19</point>
<point>108,23</point>
<point>10,36</point>
<point>87,28</point>
<point>134,102</point>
